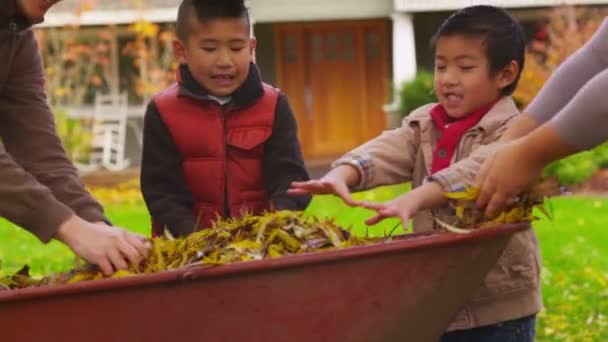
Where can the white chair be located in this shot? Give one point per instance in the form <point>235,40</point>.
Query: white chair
<point>109,133</point>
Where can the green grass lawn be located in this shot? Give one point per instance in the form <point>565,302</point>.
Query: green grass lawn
<point>574,248</point>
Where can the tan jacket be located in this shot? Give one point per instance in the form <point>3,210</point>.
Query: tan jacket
<point>511,289</point>
<point>39,186</point>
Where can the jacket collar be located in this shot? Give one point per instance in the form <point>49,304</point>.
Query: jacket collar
<point>502,111</point>
<point>249,92</point>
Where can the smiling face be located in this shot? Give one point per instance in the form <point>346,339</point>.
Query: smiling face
<point>463,81</point>
<point>35,10</point>
<point>218,53</point>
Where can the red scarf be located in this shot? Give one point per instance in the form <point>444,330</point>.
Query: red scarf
<point>451,132</point>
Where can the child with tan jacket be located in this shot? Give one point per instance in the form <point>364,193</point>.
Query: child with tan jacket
<point>479,54</point>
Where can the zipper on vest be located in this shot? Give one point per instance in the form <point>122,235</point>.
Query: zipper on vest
<point>226,147</point>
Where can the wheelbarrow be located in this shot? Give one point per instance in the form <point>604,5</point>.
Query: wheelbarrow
<point>407,289</point>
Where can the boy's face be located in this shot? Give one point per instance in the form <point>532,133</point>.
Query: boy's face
<point>35,10</point>
<point>463,81</point>
<point>218,53</point>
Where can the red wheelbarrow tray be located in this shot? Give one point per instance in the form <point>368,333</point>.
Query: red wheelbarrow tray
<point>408,289</point>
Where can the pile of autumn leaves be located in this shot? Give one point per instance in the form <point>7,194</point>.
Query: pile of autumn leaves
<point>247,238</point>
<point>278,234</point>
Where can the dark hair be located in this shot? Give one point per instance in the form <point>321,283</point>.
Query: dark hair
<point>503,36</point>
<point>207,10</point>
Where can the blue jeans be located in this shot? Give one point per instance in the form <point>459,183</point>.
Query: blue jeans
<point>517,330</point>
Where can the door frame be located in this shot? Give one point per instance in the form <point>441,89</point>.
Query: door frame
<point>300,69</point>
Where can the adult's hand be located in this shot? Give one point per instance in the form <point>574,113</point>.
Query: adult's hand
<point>110,248</point>
<point>506,174</point>
<point>517,165</point>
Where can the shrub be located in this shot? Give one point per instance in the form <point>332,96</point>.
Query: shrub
<point>416,92</point>
<point>577,168</point>
<point>75,135</point>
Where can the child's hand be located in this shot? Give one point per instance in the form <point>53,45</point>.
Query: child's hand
<point>427,196</point>
<point>323,186</point>
<point>403,207</point>
<point>336,182</point>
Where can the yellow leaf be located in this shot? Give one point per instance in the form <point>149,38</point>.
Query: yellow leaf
<point>122,274</point>
<point>460,211</point>
<point>469,193</point>
<point>543,210</point>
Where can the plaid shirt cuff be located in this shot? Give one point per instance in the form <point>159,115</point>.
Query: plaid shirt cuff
<point>448,179</point>
<point>364,164</point>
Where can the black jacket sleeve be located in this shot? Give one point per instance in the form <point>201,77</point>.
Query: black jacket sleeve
<point>283,162</point>
<point>163,185</point>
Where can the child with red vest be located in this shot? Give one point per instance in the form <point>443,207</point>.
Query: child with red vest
<point>219,142</point>
<point>479,54</point>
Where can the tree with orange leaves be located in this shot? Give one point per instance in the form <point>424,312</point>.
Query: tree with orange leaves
<point>563,31</point>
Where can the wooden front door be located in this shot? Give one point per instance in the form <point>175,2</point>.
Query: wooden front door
<point>336,77</point>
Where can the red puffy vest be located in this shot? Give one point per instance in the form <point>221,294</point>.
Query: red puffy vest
<point>222,151</point>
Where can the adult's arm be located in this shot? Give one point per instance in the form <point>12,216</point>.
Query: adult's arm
<point>574,98</point>
<point>39,186</point>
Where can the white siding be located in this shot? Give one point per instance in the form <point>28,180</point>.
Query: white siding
<point>107,17</point>
<point>313,10</point>
<point>449,5</point>
<point>262,11</point>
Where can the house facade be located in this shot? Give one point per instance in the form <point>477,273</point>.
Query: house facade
<point>338,61</point>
